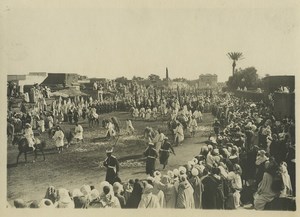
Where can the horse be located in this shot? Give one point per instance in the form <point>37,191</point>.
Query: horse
<point>93,119</point>
<point>24,147</point>
<point>10,129</point>
<point>184,121</point>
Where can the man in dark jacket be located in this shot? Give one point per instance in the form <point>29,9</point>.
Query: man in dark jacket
<point>151,154</point>
<point>112,165</point>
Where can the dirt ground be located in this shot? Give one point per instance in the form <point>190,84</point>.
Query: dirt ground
<point>79,164</point>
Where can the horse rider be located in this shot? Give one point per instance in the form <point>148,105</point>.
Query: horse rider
<point>29,135</point>
<point>112,165</point>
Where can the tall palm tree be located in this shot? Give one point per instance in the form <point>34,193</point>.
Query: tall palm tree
<point>235,56</point>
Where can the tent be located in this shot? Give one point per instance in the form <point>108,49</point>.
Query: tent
<point>70,92</point>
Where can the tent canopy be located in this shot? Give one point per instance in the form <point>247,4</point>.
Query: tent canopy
<point>68,93</point>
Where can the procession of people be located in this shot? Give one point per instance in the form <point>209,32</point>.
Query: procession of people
<point>248,160</point>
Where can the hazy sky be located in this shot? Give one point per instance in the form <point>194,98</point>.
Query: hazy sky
<point>112,42</point>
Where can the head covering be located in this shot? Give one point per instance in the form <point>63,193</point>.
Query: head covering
<point>182,170</point>
<point>147,188</point>
<point>46,203</point>
<point>190,164</point>
<point>262,152</point>
<point>151,143</point>
<point>94,194</point>
<point>64,195</point>
<point>157,174</point>
<point>19,203</point>
<point>34,204</point>
<point>183,178</point>
<point>195,172</point>
<point>27,125</point>
<point>215,151</point>
<point>195,161</point>
<point>109,150</point>
<point>165,179</point>
<point>170,173</point>
<point>117,187</point>
<point>150,178</point>
<point>166,138</point>
<point>176,172</point>
<point>102,185</point>
<point>85,189</point>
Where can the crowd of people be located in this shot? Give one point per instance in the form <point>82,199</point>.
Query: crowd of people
<point>248,161</point>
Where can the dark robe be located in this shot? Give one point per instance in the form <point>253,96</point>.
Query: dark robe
<point>212,196</point>
<point>164,153</point>
<point>135,197</point>
<point>112,165</point>
<point>151,155</point>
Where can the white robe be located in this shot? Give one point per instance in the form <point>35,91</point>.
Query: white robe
<point>78,132</point>
<point>28,133</point>
<point>179,134</point>
<point>149,201</point>
<point>59,138</point>
<point>158,140</point>
<point>129,127</point>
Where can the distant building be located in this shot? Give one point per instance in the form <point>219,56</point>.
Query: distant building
<point>208,81</point>
<point>58,80</point>
<point>27,80</point>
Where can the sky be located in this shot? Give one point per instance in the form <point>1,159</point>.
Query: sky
<point>112,41</point>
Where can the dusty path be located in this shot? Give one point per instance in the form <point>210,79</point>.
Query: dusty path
<point>73,169</point>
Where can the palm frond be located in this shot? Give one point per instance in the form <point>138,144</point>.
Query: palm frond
<point>235,56</point>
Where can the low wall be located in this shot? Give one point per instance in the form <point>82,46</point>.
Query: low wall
<point>284,105</point>
<point>254,96</point>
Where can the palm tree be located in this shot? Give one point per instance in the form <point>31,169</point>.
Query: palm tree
<point>235,56</point>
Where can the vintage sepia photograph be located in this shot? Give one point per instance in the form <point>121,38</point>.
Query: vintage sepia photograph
<point>140,106</point>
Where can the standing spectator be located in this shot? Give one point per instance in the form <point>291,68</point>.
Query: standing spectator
<point>213,196</point>
<point>267,191</point>
<point>59,139</point>
<point>198,188</point>
<point>135,197</point>
<point>148,200</point>
<point>169,191</point>
<point>118,189</point>
<point>185,197</point>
